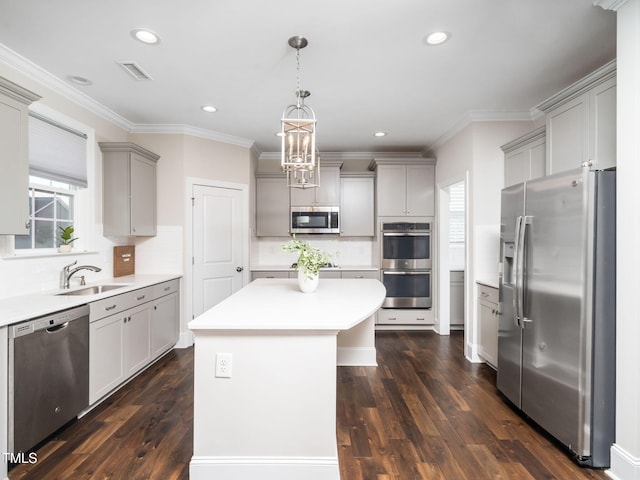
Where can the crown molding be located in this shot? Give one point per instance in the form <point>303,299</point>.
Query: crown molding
<point>536,134</point>
<point>347,156</point>
<point>602,74</point>
<point>180,129</point>
<point>609,4</point>
<point>34,72</point>
<point>480,116</point>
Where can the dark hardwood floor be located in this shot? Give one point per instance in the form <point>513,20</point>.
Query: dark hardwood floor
<point>423,413</point>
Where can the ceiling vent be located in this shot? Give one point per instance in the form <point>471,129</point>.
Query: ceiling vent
<point>135,70</point>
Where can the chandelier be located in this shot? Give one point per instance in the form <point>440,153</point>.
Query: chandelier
<point>300,158</point>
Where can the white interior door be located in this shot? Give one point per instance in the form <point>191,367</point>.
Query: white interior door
<point>217,245</point>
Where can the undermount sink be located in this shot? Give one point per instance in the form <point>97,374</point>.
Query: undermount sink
<point>93,290</point>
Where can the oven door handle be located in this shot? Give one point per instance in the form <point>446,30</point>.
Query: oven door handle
<point>412,272</point>
<point>406,234</point>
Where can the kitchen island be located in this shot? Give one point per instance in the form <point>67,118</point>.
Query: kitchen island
<point>265,377</point>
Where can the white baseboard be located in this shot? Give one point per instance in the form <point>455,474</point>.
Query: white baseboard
<point>185,340</point>
<point>357,357</point>
<point>263,468</point>
<point>624,466</point>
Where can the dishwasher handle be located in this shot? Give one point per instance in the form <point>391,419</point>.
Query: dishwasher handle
<point>57,328</point>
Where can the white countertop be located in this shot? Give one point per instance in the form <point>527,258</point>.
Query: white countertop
<point>488,282</point>
<point>278,304</point>
<point>33,305</point>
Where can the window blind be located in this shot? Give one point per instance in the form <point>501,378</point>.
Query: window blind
<point>57,152</point>
<point>456,213</point>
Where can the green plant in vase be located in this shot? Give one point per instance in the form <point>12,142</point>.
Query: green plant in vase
<point>310,259</point>
<point>66,238</point>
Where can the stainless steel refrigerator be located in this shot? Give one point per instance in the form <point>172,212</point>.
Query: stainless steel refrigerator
<point>556,334</point>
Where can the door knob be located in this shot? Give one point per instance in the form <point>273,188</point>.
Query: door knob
<point>239,269</point>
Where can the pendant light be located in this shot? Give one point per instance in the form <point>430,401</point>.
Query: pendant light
<point>300,159</point>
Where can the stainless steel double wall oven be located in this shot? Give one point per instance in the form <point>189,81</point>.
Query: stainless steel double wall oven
<point>406,264</point>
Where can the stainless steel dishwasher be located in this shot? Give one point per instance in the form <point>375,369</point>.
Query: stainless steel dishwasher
<point>48,375</point>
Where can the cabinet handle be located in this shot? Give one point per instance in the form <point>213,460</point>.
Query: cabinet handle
<point>392,318</point>
<point>141,297</point>
<point>484,294</point>
<point>166,289</point>
<point>420,319</point>
<point>155,307</point>
<point>110,308</point>
<point>359,276</point>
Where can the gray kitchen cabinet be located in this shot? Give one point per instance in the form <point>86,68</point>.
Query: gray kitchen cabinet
<point>127,332</point>
<point>406,189</point>
<point>581,123</point>
<point>129,189</point>
<point>357,207</point>
<point>164,317</point>
<point>14,138</point>
<point>272,206</point>
<point>488,317</point>
<point>456,299</point>
<point>525,157</point>
<point>327,194</point>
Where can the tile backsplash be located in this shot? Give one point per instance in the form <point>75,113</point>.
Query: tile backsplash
<point>344,251</point>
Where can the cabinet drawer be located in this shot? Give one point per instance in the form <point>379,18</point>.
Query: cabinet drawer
<point>165,288</point>
<point>488,294</point>
<point>270,274</point>
<point>360,274</point>
<point>117,303</point>
<point>404,317</point>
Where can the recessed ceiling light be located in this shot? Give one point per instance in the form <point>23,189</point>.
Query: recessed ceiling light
<point>209,108</point>
<point>436,38</point>
<point>380,134</point>
<point>78,80</point>
<point>145,36</point>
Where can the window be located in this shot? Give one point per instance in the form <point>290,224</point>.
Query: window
<point>456,213</point>
<point>58,175</point>
<point>51,205</point>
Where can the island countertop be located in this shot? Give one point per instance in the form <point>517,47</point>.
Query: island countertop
<point>278,304</point>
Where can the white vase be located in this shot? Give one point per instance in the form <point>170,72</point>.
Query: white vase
<point>307,285</point>
<point>64,248</point>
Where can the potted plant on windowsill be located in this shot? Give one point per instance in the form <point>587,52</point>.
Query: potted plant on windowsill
<point>66,239</point>
<point>310,260</point>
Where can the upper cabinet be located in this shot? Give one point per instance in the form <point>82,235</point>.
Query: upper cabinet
<point>581,123</point>
<point>14,138</point>
<point>327,194</point>
<point>272,205</point>
<point>405,189</point>
<point>357,207</point>
<point>524,157</point>
<point>129,189</point>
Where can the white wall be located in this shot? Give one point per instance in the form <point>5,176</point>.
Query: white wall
<point>475,153</point>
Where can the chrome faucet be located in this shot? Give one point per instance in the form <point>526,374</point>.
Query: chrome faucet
<point>67,272</point>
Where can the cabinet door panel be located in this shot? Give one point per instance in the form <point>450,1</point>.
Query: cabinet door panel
<point>420,190</point>
<point>272,207</point>
<point>603,119</point>
<point>164,326</point>
<point>357,207</point>
<point>143,196</point>
<point>391,190</point>
<point>137,338</point>
<point>106,356</point>
<point>329,191</point>
<point>568,135</point>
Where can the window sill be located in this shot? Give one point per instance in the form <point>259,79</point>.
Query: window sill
<point>48,253</point>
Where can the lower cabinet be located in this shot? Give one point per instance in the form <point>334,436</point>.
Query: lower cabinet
<point>164,325</point>
<point>488,332</point>
<point>123,343</point>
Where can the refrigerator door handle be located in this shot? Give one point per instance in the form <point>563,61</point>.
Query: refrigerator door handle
<point>527,220</point>
<point>516,272</point>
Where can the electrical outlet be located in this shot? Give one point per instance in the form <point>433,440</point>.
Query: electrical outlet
<point>223,365</point>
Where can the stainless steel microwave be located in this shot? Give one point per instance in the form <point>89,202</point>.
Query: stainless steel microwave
<point>315,220</point>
